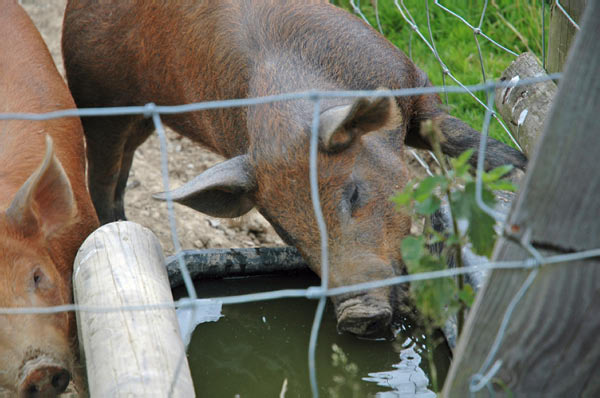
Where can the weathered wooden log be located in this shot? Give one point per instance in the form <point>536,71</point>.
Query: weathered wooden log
<point>128,353</point>
<point>524,108</point>
<point>548,347</point>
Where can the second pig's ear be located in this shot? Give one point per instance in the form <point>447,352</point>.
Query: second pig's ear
<point>45,203</point>
<point>341,125</point>
<point>223,190</point>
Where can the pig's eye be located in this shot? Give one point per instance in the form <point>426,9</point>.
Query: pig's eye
<point>354,198</point>
<point>38,278</point>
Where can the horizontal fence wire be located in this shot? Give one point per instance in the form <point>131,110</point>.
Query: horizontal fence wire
<point>149,109</point>
<point>490,366</point>
<point>314,292</point>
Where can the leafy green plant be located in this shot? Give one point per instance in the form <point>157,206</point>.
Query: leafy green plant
<point>437,299</point>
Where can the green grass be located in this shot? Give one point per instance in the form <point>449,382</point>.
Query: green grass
<point>515,24</point>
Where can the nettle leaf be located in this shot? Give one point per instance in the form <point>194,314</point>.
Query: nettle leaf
<point>481,232</point>
<point>481,225</point>
<point>426,187</point>
<point>488,196</point>
<point>459,205</point>
<point>428,206</point>
<point>467,295</point>
<point>503,185</point>
<point>460,164</point>
<point>430,263</point>
<point>497,173</point>
<point>413,248</point>
<point>433,297</point>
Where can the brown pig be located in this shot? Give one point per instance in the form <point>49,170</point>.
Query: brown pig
<point>131,53</point>
<point>45,214</point>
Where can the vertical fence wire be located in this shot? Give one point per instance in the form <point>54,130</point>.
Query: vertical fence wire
<point>444,69</point>
<point>187,328</point>
<point>481,161</point>
<point>316,202</point>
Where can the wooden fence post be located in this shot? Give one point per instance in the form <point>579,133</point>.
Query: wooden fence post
<point>561,32</point>
<point>128,353</point>
<point>549,347</point>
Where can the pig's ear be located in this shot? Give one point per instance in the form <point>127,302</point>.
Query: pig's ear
<point>341,125</point>
<point>45,203</point>
<point>223,190</point>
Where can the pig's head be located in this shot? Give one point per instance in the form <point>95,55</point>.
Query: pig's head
<point>360,166</point>
<point>36,351</point>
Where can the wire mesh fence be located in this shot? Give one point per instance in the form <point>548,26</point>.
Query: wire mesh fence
<point>491,365</point>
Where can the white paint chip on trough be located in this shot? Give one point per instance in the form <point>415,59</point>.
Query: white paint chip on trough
<point>128,353</point>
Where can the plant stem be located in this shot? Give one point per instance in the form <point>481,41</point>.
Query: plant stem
<point>460,315</point>
<point>433,134</point>
<point>432,369</point>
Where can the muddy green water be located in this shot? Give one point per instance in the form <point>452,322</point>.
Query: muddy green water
<point>257,347</point>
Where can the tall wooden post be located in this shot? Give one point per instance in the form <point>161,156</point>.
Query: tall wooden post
<point>562,32</point>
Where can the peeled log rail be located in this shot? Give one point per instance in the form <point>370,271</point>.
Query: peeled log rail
<point>549,346</point>
<point>524,108</point>
<point>128,353</point>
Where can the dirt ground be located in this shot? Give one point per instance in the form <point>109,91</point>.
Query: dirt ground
<point>186,160</point>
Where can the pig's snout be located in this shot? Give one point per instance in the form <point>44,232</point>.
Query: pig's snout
<point>366,321</point>
<point>43,379</point>
<point>359,317</point>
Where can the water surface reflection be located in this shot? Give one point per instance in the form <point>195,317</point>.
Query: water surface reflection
<point>259,349</point>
